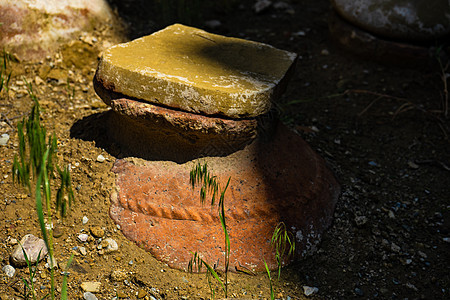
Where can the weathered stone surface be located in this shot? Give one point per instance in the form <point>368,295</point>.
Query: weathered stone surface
<point>271,181</point>
<point>365,44</point>
<point>196,71</point>
<point>33,247</point>
<point>33,29</point>
<point>417,20</point>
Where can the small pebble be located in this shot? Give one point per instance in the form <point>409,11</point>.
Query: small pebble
<point>58,232</point>
<point>121,294</point>
<point>97,231</point>
<point>413,165</point>
<point>359,292</point>
<point>82,251</point>
<point>100,158</point>
<point>395,248</point>
<point>9,270</point>
<point>4,138</point>
<point>360,220</point>
<point>89,296</point>
<point>91,286</point>
<point>83,237</point>
<point>85,220</point>
<point>308,290</point>
<point>261,5</point>
<point>33,247</point>
<point>391,214</point>
<point>118,275</point>
<point>325,52</point>
<point>109,245</point>
<point>141,294</point>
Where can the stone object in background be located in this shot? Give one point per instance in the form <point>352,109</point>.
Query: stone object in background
<point>33,29</point>
<point>195,71</point>
<point>271,181</point>
<point>33,247</point>
<point>418,20</point>
<point>364,44</point>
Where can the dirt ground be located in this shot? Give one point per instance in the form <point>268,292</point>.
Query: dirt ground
<point>381,129</point>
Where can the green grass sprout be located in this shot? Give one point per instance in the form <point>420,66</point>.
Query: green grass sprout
<point>200,175</point>
<point>36,161</point>
<point>284,243</point>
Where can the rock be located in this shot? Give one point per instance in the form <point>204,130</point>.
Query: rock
<point>58,232</point>
<point>109,245</point>
<point>199,72</point>
<point>97,231</point>
<point>360,220</point>
<point>141,293</point>
<point>396,19</point>
<point>89,296</point>
<point>372,47</point>
<point>121,294</point>
<point>359,292</point>
<point>84,220</point>
<point>308,290</point>
<point>170,221</point>
<point>9,270</point>
<point>82,237</point>
<point>118,275</point>
<point>261,6</point>
<point>91,286</point>
<point>82,251</point>
<point>100,158</point>
<point>33,247</point>
<point>34,29</point>
<point>4,138</point>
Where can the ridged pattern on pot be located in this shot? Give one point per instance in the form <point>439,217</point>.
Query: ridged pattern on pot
<point>280,180</point>
<point>196,71</point>
<point>399,19</point>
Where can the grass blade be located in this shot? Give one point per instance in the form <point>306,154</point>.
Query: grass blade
<point>64,283</point>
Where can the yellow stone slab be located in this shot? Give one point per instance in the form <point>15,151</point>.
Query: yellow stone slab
<point>196,71</point>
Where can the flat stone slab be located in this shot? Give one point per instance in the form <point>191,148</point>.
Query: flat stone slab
<point>418,20</point>
<point>271,181</point>
<point>196,71</point>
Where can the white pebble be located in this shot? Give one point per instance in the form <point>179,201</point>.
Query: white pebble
<point>89,296</point>
<point>109,245</point>
<point>85,220</point>
<point>82,251</point>
<point>83,237</point>
<point>4,138</point>
<point>101,158</point>
<point>308,290</point>
<point>9,270</point>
